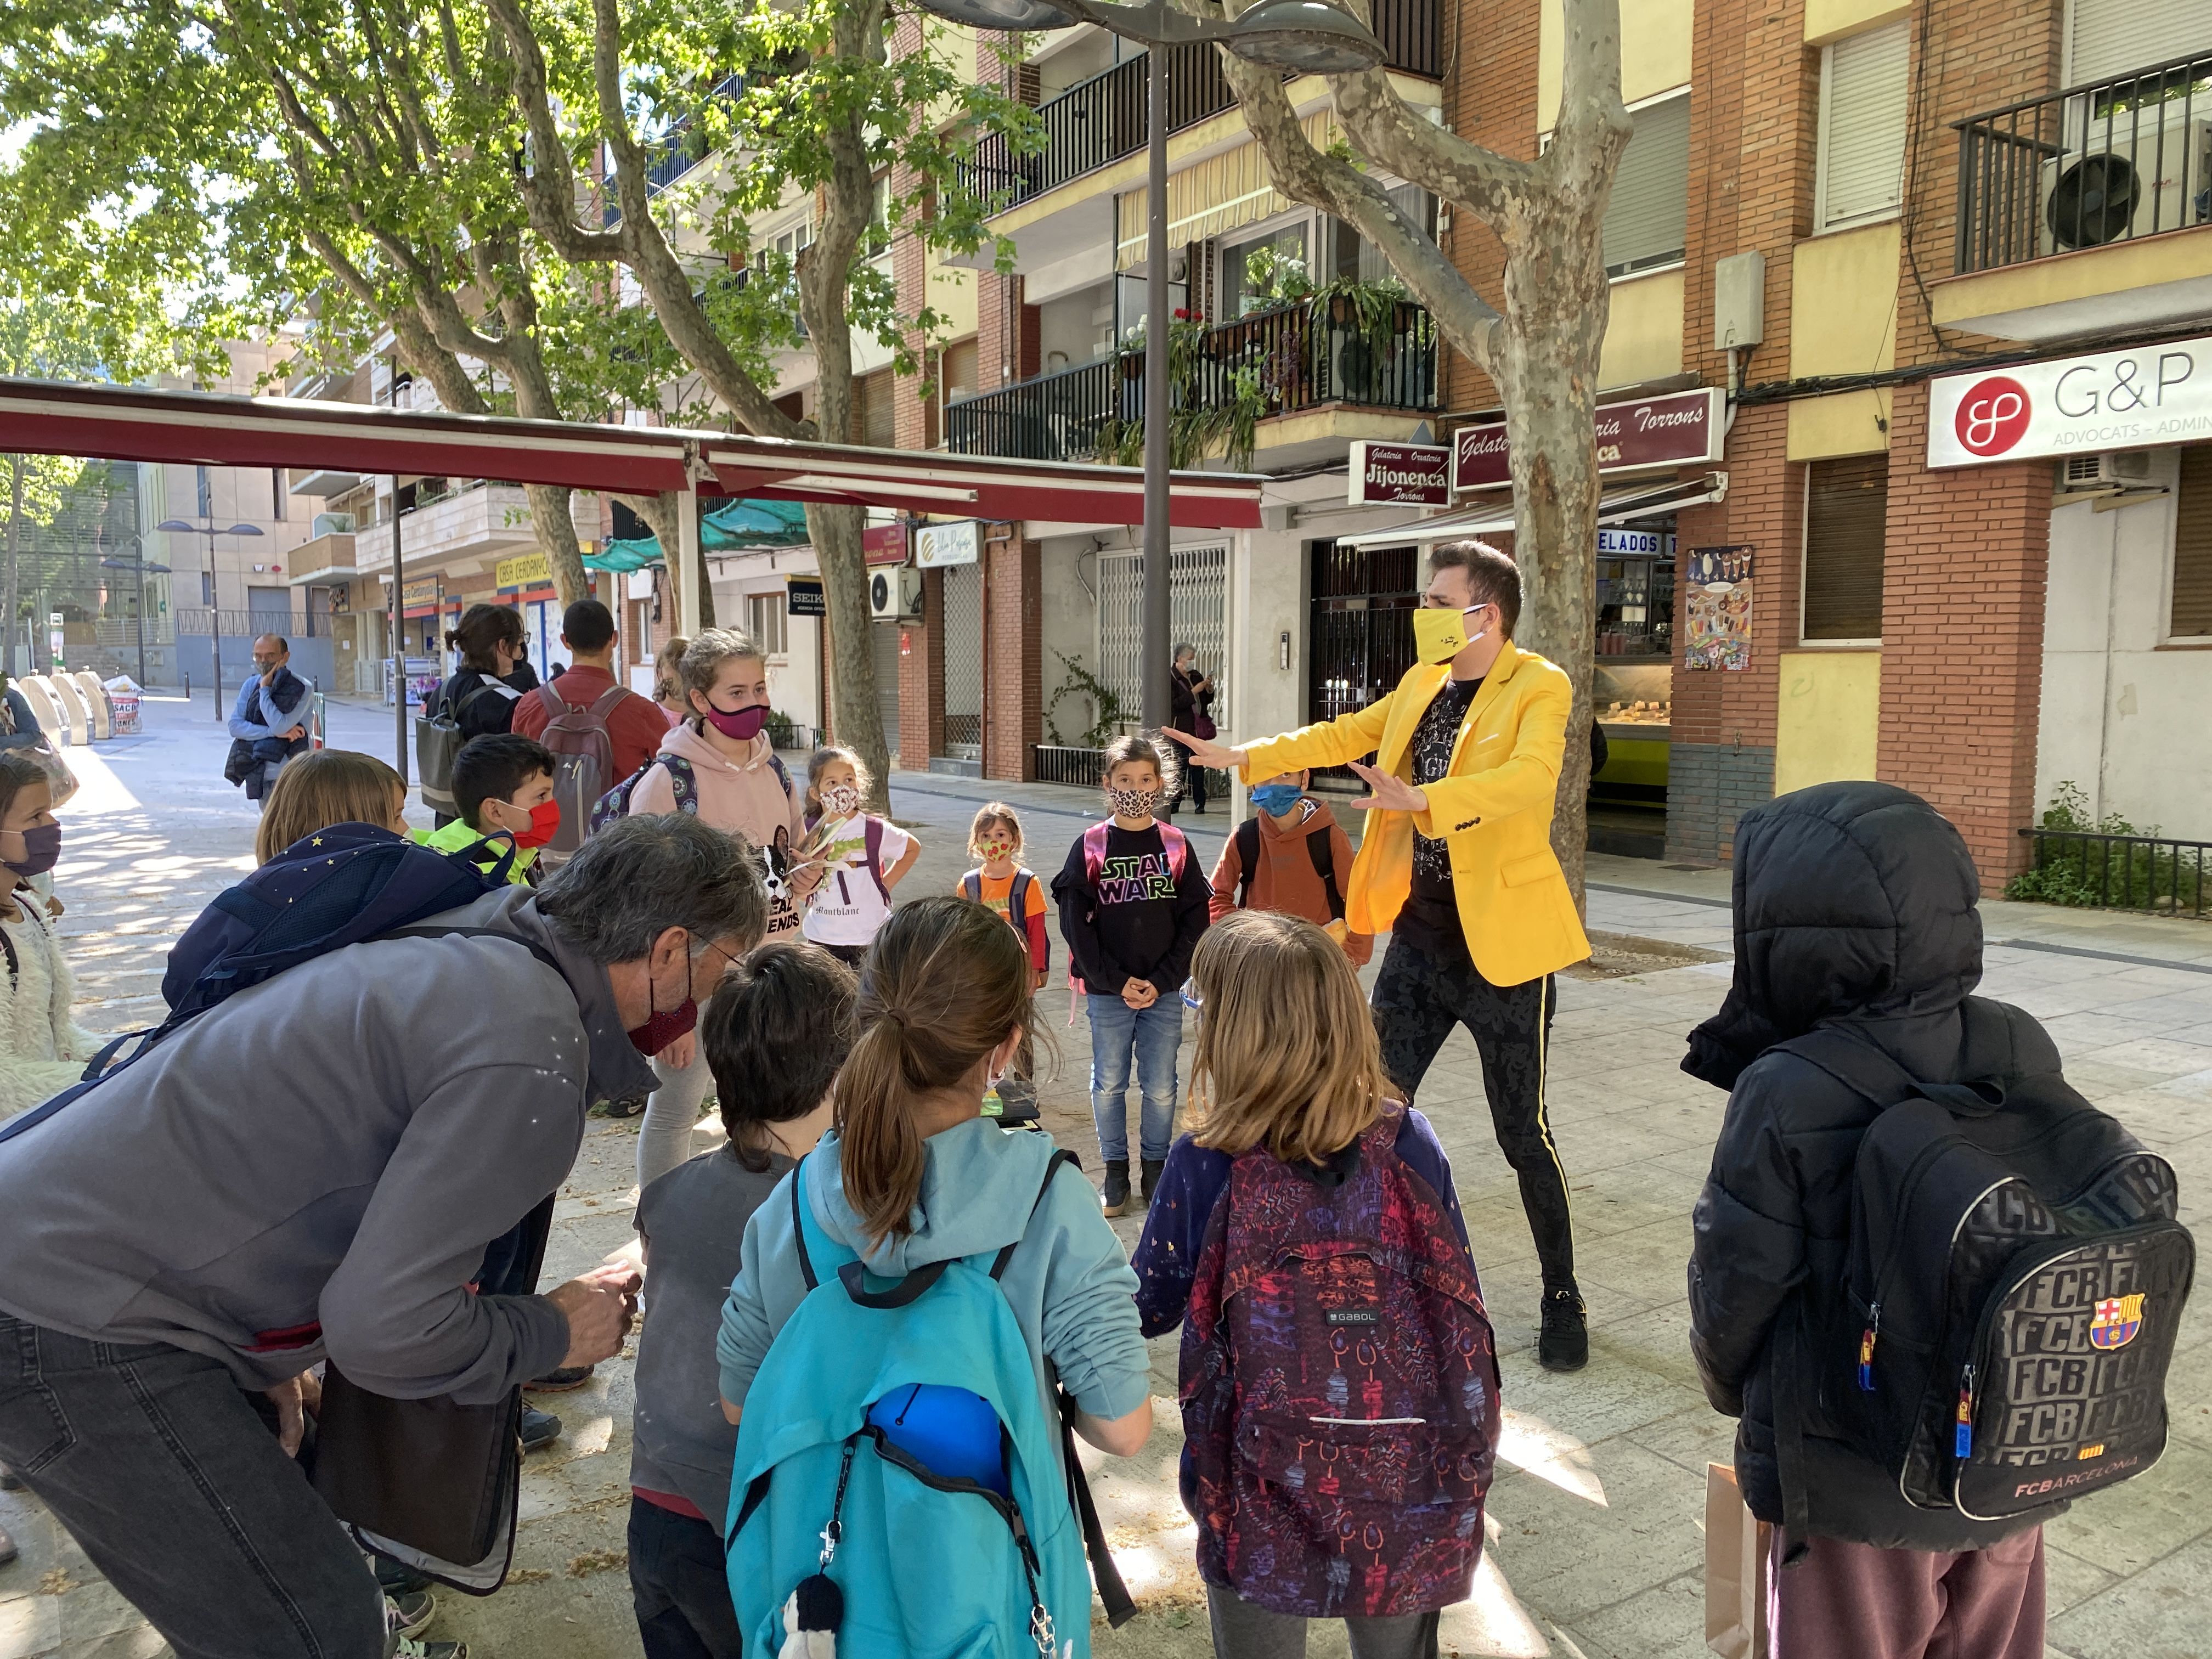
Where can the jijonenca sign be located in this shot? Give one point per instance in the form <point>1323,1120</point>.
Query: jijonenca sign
<point>1399,475</point>
<point>2155,394</point>
<point>1680,428</point>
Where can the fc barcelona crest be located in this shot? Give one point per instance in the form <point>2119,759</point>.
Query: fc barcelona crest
<point>2118,1318</point>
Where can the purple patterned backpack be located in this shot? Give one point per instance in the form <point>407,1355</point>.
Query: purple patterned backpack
<point>1340,1390</point>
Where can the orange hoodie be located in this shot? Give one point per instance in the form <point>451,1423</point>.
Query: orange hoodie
<point>1285,878</point>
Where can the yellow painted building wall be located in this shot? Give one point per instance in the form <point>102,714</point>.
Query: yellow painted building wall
<point>952,291</point>
<point>1655,52</point>
<point>1842,320</point>
<point>1826,722</point>
<point>1642,330</point>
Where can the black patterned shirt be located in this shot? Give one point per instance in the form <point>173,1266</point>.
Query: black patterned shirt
<point>1430,917</point>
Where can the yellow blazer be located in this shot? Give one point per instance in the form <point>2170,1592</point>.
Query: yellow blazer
<point>1493,810</point>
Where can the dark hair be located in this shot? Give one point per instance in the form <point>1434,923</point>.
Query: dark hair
<point>588,625</point>
<point>1491,576</point>
<point>774,1034</point>
<point>945,983</point>
<point>283,644</point>
<point>492,767</point>
<point>484,626</point>
<point>1137,747</point>
<point>18,772</point>
<point>639,877</point>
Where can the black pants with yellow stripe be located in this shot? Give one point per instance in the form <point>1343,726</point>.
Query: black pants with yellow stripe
<point>1418,998</point>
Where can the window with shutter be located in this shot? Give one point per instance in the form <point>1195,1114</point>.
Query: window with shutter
<point>1862,113</point>
<point>1846,503</point>
<point>2106,39</point>
<point>2190,616</point>
<point>1647,220</point>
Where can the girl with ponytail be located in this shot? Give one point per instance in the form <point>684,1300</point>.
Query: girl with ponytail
<point>913,1173</point>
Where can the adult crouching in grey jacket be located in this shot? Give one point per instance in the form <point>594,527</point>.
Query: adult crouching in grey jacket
<point>312,1170</point>
<point>1854,909</point>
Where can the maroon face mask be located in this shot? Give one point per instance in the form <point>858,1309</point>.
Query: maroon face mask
<point>744,726</point>
<point>665,1027</point>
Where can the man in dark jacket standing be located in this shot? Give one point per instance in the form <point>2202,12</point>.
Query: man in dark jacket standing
<point>1854,907</point>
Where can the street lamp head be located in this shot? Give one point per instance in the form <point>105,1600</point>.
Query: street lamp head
<point>178,524</point>
<point>1310,37</point>
<point>1024,15</point>
<point>240,530</point>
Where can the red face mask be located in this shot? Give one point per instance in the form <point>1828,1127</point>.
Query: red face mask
<point>544,824</point>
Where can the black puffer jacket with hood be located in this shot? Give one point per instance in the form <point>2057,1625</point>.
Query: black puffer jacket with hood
<point>1854,906</point>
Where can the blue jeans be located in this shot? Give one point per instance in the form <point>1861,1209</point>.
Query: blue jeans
<point>1117,1031</point>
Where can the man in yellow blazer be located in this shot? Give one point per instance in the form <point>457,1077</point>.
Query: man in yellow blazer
<point>1456,864</point>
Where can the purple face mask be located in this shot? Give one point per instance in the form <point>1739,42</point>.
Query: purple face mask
<point>744,726</point>
<point>42,847</point>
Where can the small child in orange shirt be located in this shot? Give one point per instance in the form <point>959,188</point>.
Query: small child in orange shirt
<point>1003,883</point>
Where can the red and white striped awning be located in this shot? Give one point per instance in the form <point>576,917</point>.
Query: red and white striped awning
<point>135,423</point>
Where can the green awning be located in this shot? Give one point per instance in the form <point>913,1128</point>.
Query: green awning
<point>733,525</point>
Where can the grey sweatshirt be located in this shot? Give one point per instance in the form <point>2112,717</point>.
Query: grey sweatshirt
<point>313,1168</point>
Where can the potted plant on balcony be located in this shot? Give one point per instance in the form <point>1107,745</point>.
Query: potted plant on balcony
<point>1216,406</point>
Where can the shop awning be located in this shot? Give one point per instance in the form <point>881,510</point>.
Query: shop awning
<point>137,423</point>
<point>728,528</point>
<point>1620,504</point>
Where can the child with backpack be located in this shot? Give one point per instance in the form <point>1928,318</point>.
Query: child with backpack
<point>1937,1287</point>
<point>1290,855</point>
<point>863,857</point>
<point>1132,903</point>
<point>503,787</point>
<point>1339,1377</point>
<point>913,1297</point>
<point>326,786</point>
<point>775,1035</point>
<point>1010,890</point>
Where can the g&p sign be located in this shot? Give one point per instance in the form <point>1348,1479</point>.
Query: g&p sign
<point>2154,394</point>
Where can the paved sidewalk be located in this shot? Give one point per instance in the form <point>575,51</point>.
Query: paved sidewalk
<point>1595,1546</point>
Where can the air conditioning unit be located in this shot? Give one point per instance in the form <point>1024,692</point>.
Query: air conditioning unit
<point>2132,176</point>
<point>895,594</point>
<point>2119,469</point>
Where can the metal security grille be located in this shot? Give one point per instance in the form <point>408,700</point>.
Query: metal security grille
<point>1198,609</point>
<point>1360,629</point>
<point>963,662</point>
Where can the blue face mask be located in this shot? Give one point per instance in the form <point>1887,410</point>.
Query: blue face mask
<point>1276,799</point>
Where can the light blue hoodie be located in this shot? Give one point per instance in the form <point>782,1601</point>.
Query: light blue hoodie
<point>1070,1283</point>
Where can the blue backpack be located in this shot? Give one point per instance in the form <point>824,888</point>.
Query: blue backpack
<point>898,1482</point>
<point>339,886</point>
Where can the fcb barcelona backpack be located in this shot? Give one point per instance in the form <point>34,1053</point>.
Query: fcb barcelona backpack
<point>2015,1282</point>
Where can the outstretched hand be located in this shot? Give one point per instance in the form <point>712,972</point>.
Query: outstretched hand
<point>1390,793</point>
<point>1204,751</point>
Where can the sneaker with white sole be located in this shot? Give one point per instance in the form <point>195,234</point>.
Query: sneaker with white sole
<point>412,1650</point>
<point>410,1614</point>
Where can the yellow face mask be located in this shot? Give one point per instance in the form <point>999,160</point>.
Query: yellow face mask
<point>1440,635</point>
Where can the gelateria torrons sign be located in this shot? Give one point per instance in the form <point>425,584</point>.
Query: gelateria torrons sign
<point>2153,394</point>
<point>1679,430</point>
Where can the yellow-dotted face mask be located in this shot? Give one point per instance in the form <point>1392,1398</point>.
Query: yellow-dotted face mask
<point>1440,635</point>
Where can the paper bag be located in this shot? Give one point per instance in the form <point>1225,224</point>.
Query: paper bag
<point>1737,1545</point>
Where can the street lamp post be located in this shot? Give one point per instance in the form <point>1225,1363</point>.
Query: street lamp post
<point>1308,37</point>
<point>138,563</point>
<point>214,589</point>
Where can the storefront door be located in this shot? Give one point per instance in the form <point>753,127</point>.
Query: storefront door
<point>1359,632</point>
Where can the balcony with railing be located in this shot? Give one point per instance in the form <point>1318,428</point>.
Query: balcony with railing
<point>1298,358</point>
<point>2070,200</point>
<point>1096,122</point>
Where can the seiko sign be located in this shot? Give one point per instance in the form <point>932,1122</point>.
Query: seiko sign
<point>2154,394</point>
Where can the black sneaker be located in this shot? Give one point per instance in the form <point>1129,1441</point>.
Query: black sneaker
<point>396,1579</point>
<point>559,1381</point>
<point>1152,1168</point>
<point>539,1428</point>
<point>628,1106</point>
<point>409,1614</point>
<point>1115,1199</point>
<point>1563,1344</point>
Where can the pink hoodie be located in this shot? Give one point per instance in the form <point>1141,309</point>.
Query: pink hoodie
<point>746,797</point>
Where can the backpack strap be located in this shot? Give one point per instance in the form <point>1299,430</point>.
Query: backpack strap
<point>971,886</point>
<point>1051,1169</point>
<point>1248,857</point>
<point>1324,854</point>
<point>1867,1071</point>
<point>602,710</point>
<point>1094,850</point>
<point>1017,900</point>
<point>1178,849</point>
<point>871,844</point>
<point>552,702</point>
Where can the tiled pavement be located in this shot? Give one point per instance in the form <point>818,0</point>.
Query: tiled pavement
<point>1595,1521</point>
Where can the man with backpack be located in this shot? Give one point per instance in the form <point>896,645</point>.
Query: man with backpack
<point>313,1169</point>
<point>599,731</point>
<point>1936,1287</point>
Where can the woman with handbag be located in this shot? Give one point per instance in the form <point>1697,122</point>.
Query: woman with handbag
<point>480,696</point>
<point>1192,698</point>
